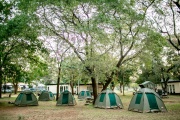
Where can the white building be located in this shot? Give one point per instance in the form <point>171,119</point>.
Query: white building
<point>77,88</point>
<point>173,87</point>
<point>62,88</point>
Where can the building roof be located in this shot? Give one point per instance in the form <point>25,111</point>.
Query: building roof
<point>171,81</point>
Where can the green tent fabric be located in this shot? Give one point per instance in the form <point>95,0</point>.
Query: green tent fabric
<point>46,96</point>
<point>88,93</point>
<point>84,94</point>
<point>29,97</point>
<point>138,99</point>
<point>26,98</point>
<point>19,96</point>
<point>112,99</point>
<point>152,101</point>
<point>146,100</point>
<point>102,97</point>
<point>108,99</point>
<point>66,98</point>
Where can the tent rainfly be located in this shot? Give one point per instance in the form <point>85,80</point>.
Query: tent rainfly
<point>66,98</point>
<point>26,98</point>
<point>147,100</point>
<point>108,99</point>
<point>84,94</point>
<point>148,84</point>
<point>46,96</point>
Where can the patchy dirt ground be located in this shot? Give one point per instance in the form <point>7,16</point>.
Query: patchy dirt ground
<point>49,111</point>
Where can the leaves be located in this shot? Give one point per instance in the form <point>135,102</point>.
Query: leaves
<point>104,35</point>
<point>19,47</point>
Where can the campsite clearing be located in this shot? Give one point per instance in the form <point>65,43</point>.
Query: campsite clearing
<point>47,110</point>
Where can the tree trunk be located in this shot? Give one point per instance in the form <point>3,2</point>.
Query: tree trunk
<point>0,88</point>
<point>58,82</point>
<point>57,93</point>
<point>4,87</point>
<point>123,85</point>
<point>0,82</point>
<point>72,87</point>
<point>123,90</point>
<point>120,87</point>
<point>94,86</point>
<point>15,84</point>
<point>108,81</point>
<point>112,88</point>
<point>164,85</point>
<point>106,84</point>
<point>15,88</point>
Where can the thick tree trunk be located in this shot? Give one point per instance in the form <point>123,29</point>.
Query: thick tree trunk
<point>15,88</point>
<point>4,87</point>
<point>164,88</point>
<point>120,87</point>
<point>0,83</point>
<point>0,88</point>
<point>123,90</point>
<point>94,86</point>
<point>57,93</point>
<point>58,82</point>
<point>106,84</point>
<point>108,81</point>
<point>164,85</point>
<point>72,87</point>
<point>15,84</point>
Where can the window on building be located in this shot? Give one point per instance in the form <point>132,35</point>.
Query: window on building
<point>61,89</point>
<point>89,88</point>
<point>170,89</point>
<point>173,89</point>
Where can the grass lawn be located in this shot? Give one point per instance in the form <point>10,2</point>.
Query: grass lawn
<point>49,111</point>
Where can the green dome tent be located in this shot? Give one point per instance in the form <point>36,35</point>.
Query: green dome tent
<point>46,96</point>
<point>66,98</point>
<point>26,98</point>
<point>108,99</point>
<point>84,94</point>
<point>147,100</point>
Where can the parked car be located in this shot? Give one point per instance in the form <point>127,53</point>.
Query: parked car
<point>32,89</point>
<point>39,91</point>
<point>6,91</point>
